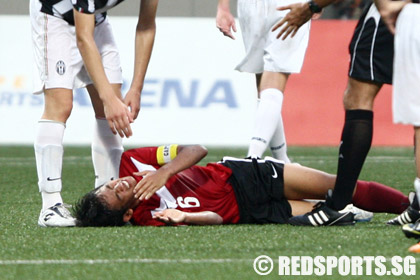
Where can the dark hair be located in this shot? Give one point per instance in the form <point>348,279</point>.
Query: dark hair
<point>92,211</point>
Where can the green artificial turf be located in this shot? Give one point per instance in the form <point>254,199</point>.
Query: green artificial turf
<point>213,252</point>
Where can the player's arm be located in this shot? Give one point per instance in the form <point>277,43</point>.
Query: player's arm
<point>225,21</point>
<point>116,111</point>
<point>389,11</point>
<point>298,15</point>
<point>152,181</point>
<point>174,216</point>
<point>144,40</point>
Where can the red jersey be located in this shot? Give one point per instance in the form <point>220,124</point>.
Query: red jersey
<point>195,189</point>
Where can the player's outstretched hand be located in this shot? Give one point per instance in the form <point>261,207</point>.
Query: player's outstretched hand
<point>118,116</point>
<point>133,100</point>
<point>290,24</point>
<point>170,216</point>
<point>151,182</point>
<point>225,22</point>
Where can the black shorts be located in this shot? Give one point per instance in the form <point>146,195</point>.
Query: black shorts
<point>258,187</point>
<point>371,49</point>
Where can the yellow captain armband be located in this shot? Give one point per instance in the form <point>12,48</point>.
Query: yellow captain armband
<point>165,154</point>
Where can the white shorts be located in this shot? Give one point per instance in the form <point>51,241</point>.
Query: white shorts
<point>264,52</point>
<point>406,78</point>
<point>57,60</point>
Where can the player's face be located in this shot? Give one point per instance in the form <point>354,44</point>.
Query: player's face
<point>119,193</point>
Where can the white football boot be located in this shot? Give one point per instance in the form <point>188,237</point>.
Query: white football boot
<point>56,216</point>
<point>359,214</point>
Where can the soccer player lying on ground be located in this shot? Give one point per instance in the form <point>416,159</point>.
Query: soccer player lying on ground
<point>161,185</point>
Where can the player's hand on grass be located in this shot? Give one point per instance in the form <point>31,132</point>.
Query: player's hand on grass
<point>170,216</point>
<point>151,182</point>
<point>225,22</point>
<point>290,24</point>
<point>132,100</point>
<point>118,117</point>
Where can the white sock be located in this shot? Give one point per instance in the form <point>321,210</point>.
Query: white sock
<point>278,144</point>
<point>106,153</point>
<point>266,120</point>
<point>50,199</point>
<point>49,160</point>
<point>417,189</point>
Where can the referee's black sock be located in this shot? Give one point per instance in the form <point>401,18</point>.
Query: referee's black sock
<point>356,140</point>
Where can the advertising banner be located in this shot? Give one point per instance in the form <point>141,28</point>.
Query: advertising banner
<point>192,93</point>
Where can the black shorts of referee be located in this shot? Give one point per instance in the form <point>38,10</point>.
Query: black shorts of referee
<point>371,49</point>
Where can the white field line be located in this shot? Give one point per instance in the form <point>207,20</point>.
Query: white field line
<point>111,261</point>
<point>136,261</point>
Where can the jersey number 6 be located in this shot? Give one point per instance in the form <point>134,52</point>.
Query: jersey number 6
<point>187,202</point>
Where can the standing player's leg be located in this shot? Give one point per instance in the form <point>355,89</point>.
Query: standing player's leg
<point>53,43</point>
<point>48,147</point>
<point>356,139</point>
<point>280,59</point>
<point>406,105</point>
<point>275,59</point>
<point>268,120</point>
<point>411,217</point>
<point>371,52</point>
<point>106,147</point>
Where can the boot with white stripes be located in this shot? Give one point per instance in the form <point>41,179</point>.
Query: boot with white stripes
<point>322,215</point>
<point>410,215</point>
